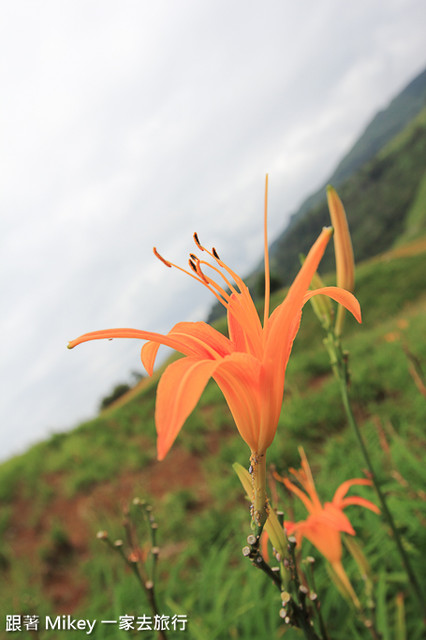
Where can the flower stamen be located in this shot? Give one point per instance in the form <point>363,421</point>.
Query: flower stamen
<point>225,279</point>
<point>212,284</point>
<point>160,257</point>
<point>197,242</point>
<point>214,254</point>
<point>176,266</point>
<point>192,265</point>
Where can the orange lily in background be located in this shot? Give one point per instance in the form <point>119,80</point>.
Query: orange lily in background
<point>325,523</point>
<point>249,366</point>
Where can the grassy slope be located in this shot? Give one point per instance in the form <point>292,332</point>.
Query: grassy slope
<point>56,496</point>
<point>415,222</point>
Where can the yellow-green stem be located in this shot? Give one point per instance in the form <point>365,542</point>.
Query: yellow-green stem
<point>340,320</point>
<point>258,477</point>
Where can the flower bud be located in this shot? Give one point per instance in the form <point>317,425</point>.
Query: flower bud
<point>345,266</point>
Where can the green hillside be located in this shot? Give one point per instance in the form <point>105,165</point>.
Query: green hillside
<point>384,201</point>
<point>385,126</point>
<point>61,492</point>
<point>382,129</point>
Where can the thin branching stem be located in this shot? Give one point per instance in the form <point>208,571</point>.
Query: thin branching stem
<point>298,611</point>
<point>146,582</point>
<point>252,551</point>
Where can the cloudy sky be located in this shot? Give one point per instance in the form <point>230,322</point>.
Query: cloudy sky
<point>127,124</point>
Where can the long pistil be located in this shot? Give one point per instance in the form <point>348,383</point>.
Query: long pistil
<point>267,275</point>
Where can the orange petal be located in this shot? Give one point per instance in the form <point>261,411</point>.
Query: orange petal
<point>341,502</point>
<point>275,364</point>
<point>341,296</point>
<point>148,355</point>
<point>362,502</point>
<point>336,519</point>
<point>109,334</point>
<point>326,539</point>
<point>204,339</point>
<point>245,330</point>
<point>238,378</point>
<point>179,390</point>
<point>290,527</point>
<point>281,332</point>
<point>189,338</point>
<point>180,342</point>
<point>308,480</point>
<point>299,493</point>
<point>199,338</point>
<point>293,328</point>
<point>235,330</point>
<point>345,486</point>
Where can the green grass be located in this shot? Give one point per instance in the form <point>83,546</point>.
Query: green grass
<point>416,216</point>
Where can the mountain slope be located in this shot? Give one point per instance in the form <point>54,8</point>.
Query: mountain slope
<point>378,199</point>
<point>383,127</point>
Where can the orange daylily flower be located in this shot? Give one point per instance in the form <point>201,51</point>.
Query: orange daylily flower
<point>249,366</point>
<point>325,523</point>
